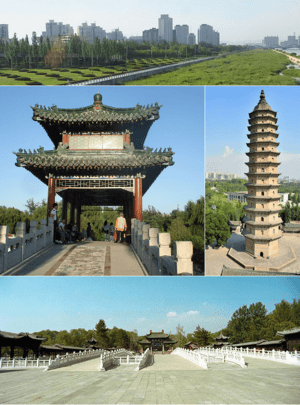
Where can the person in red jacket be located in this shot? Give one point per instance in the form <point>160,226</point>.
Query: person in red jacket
<point>121,227</point>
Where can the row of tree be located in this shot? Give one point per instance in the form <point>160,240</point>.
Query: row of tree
<point>77,51</point>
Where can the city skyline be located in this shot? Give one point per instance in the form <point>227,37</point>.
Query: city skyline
<point>174,187</point>
<point>235,23</point>
<point>157,303</point>
<point>227,110</point>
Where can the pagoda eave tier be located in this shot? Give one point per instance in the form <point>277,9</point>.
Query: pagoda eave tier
<point>263,143</point>
<point>262,124</point>
<point>268,109</point>
<point>97,118</point>
<point>263,163</point>
<point>262,197</point>
<point>263,152</point>
<point>263,133</point>
<point>95,163</point>
<point>262,174</point>
<point>262,185</point>
<point>260,117</point>
<point>262,238</point>
<point>262,224</point>
<point>262,210</point>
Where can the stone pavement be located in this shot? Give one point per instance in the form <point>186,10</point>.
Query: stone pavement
<point>263,382</point>
<point>82,259</point>
<point>216,258</point>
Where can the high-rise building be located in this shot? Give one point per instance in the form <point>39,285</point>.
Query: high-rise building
<point>54,29</point>
<point>115,35</point>
<point>90,32</point>
<point>3,31</point>
<point>262,221</point>
<point>208,35</point>
<point>271,42</point>
<point>151,35</point>
<point>182,33</point>
<point>191,39</point>
<point>165,27</point>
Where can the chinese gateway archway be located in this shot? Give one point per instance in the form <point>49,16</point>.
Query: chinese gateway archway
<point>99,156</point>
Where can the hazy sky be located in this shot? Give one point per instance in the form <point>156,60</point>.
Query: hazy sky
<point>180,126</point>
<point>235,20</point>
<point>31,304</point>
<point>227,110</point>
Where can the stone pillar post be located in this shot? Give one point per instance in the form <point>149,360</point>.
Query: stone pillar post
<point>21,231</point>
<point>43,228</point>
<point>33,229</point>
<point>138,205</point>
<point>183,252</point>
<point>51,195</point>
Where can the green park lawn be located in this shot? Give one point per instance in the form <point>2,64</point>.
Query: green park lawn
<point>11,77</point>
<point>257,67</point>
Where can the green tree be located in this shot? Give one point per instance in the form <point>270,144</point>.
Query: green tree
<point>202,337</point>
<point>101,334</point>
<point>180,335</point>
<point>217,228</point>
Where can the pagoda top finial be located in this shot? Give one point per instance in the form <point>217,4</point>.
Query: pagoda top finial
<point>262,95</point>
<point>262,104</point>
<point>97,98</point>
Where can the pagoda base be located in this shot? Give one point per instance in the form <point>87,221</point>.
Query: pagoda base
<point>274,264</point>
<point>262,249</point>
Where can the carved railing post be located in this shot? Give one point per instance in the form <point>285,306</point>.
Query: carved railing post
<point>21,232</point>
<point>164,240</point>
<point>43,228</point>
<point>33,229</point>
<point>4,231</point>
<point>183,252</point>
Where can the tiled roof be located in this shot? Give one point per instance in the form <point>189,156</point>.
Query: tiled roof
<point>288,332</point>
<point>64,158</point>
<point>21,335</point>
<point>95,113</point>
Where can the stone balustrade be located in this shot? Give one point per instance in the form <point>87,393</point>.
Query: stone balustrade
<point>14,250</point>
<point>193,356</point>
<point>24,363</point>
<point>153,249</point>
<point>73,358</point>
<point>143,360</point>
<point>274,355</point>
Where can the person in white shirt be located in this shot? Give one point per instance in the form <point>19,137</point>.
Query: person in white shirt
<point>53,214</point>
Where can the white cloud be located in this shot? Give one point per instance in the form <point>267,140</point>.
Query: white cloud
<point>141,319</point>
<point>193,313</point>
<point>228,151</point>
<point>205,303</point>
<point>172,314</point>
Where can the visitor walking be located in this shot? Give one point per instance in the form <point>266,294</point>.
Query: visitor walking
<point>105,229</point>
<point>121,227</point>
<point>111,231</point>
<point>89,233</point>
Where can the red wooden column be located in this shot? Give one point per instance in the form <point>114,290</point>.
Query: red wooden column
<point>138,205</point>
<point>51,196</point>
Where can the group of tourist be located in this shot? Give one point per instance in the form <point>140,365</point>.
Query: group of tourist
<point>70,234</point>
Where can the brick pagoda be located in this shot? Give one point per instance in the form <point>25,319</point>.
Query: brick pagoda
<point>262,221</point>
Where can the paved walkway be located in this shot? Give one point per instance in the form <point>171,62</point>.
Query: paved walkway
<point>216,258</point>
<point>82,259</point>
<point>263,382</point>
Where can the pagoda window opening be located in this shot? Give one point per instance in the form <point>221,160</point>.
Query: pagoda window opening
<point>262,193</point>
<point>262,219</point>
<point>261,254</point>
<point>263,205</point>
<point>262,232</point>
<point>262,169</point>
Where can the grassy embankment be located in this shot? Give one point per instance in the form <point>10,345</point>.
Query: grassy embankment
<point>53,77</point>
<point>256,67</point>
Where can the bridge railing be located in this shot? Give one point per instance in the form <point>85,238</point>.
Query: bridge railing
<point>14,250</point>
<point>193,356</point>
<point>24,363</point>
<point>274,355</point>
<point>153,248</point>
<point>143,360</point>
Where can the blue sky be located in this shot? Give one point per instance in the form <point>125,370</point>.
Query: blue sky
<point>180,126</point>
<point>236,20</point>
<point>227,110</point>
<point>30,304</point>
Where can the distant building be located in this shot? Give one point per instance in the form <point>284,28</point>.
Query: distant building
<point>137,39</point>
<point>220,176</point>
<point>165,28</point>
<point>4,31</point>
<point>54,29</point>
<point>240,196</point>
<point>182,33</point>
<point>150,35</point>
<point>208,35</point>
<point>90,32</point>
<point>191,39</point>
<point>271,42</point>
<point>115,35</point>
